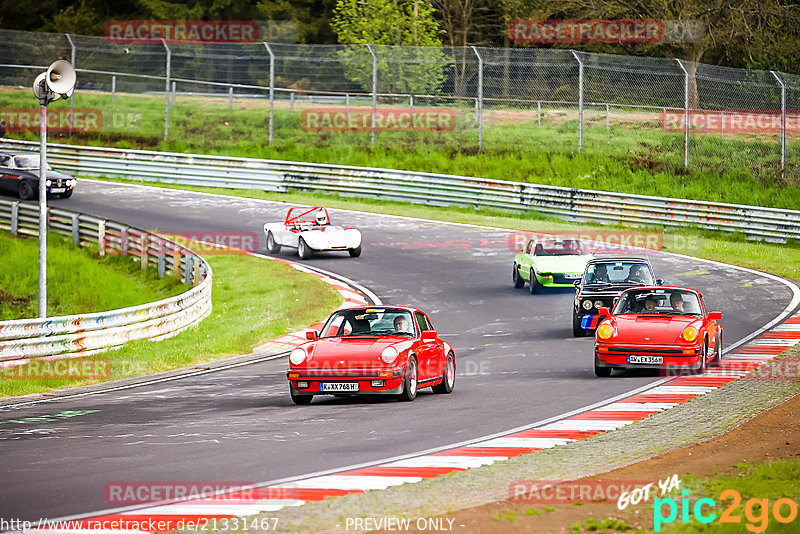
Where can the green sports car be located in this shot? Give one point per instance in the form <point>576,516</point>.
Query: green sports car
<point>550,262</point>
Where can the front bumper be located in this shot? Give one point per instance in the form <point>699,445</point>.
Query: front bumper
<point>557,279</point>
<point>674,357</point>
<point>392,381</point>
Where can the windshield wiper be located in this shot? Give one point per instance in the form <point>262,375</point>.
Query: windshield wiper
<point>598,282</point>
<point>389,332</point>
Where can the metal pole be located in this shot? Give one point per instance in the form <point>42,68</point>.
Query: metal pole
<point>166,90</point>
<point>72,96</point>
<point>606,118</point>
<point>783,119</point>
<point>174,90</point>
<point>721,125</point>
<point>291,103</point>
<point>411,103</point>
<point>113,86</point>
<point>271,90</point>
<point>685,114</point>
<point>43,210</point>
<point>539,114</point>
<point>374,90</point>
<point>580,100</point>
<point>230,98</point>
<point>480,98</point>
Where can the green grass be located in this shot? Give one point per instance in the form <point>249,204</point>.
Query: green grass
<point>640,159</point>
<point>254,300</point>
<point>783,260</point>
<point>78,281</point>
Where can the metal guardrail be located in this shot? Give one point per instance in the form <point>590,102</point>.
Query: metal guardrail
<point>425,188</point>
<point>90,333</point>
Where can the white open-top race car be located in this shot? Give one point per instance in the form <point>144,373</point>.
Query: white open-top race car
<point>309,230</point>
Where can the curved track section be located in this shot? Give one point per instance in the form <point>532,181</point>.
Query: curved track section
<point>518,363</point>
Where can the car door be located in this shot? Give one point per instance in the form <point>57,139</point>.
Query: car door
<point>426,354</point>
<point>524,260</point>
<point>8,178</point>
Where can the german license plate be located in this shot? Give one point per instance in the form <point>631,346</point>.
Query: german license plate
<point>338,386</point>
<point>645,359</point>
<point>572,276</point>
<point>58,189</point>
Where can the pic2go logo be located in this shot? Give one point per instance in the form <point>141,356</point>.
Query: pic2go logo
<point>756,511</point>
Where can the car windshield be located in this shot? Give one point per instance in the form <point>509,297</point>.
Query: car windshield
<point>560,247</point>
<point>370,322</point>
<point>659,301</point>
<point>27,162</point>
<point>618,272</point>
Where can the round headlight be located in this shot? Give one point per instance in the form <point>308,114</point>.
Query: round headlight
<point>297,356</point>
<point>598,304</point>
<point>587,304</point>
<point>48,183</point>
<point>605,331</point>
<point>389,355</point>
<point>689,333</point>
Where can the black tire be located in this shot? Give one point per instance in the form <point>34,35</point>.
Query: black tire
<point>449,377</point>
<point>703,356</point>
<point>355,252</point>
<point>577,329</point>
<point>67,194</point>
<point>602,372</point>
<point>519,282</point>
<point>272,246</point>
<point>536,287</point>
<point>26,191</point>
<point>303,250</point>
<point>303,400</point>
<point>717,361</point>
<point>410,382</point>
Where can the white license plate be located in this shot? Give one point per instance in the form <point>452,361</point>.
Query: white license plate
<point>645,359</point>
<point>58,189</point>
<point>338,386</point>
<point>572,276</point>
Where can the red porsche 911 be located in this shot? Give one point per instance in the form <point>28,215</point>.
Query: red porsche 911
<point>658,327</point>
<point>387,350</point>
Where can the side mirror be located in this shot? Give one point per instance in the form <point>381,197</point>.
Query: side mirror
<point>428,336</point>
<point>603,311</point>
<point>576,283</point>
<point>312,335</point>
<point>659,281</point>
<point>715,315</point>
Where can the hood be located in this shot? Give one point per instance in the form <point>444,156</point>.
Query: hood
<point>51,174</point>
<point>661,329</point>
<point>561,264</point>
<point>357,351</point>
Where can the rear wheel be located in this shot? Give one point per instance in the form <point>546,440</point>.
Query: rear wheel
<point>577,329</point>
<point>355,252</point>
<point>300,399</point>
<point>303,250</point>
<point>519,282</point>
<point>272,246</point>
<point>449,378</point>
<point>536,287</point>
<point>26,190</point>
<point>717,361</point>
<point>410,382</point>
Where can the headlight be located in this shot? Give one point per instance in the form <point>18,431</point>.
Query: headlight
<point>48,183</point>
<point>389,355</point>
<point>605,331</point>
<point>689,333</point>
<point>297,356</point>
<point>587,304</point>
<point>598,304</point>
<point>72,182</point>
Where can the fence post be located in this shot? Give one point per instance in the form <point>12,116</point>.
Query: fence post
<point>411,103</point>
<point>580,100</point>
<point>162,260</point>
<point>123,241</point>
<point>271,90</point>
<point>101,238</point>
<point>76,231</point>
<point>374,90</point>
<point>166,89</point>
<point>479,102</point>
<point>72,96</point>
<point>230,98</point>
<point>606,118</point>
<point>783,118</point>
<point>187,274</point>
<point>685,113</point>
<point>291,103</point>
<point>113,86</point>
<point>347,107</point>
<point>14,218</point>
<point>174,90</point>
<point>144,244</point>
<point>539,114</point>
<point>721,125</point>
<point>176,262</point>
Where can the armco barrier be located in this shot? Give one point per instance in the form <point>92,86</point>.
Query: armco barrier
<point>428,188</point>
<point>77,335</point>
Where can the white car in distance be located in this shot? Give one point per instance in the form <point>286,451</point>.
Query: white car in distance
<point>309,230</point>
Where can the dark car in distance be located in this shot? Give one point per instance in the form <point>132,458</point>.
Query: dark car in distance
<point>19,175</point>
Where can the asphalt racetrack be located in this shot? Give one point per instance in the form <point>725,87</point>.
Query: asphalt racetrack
<point>517,364</point>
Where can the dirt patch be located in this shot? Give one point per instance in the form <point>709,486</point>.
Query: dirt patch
<point>12,300</point>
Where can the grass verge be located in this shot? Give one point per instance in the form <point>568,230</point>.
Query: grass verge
<point>254,300</point>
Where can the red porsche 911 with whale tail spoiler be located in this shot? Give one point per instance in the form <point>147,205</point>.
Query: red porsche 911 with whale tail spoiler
<point>381,350</point>
<point>658,327</point>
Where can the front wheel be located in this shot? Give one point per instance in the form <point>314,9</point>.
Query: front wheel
<point>303,400</point>
<point>67,194</point>
<point>703,355</point>
<point>449,377</point>
<point>26,191</point>
<point>410,383</point>
<point>272,246</point>
<point>717,361</point>
<point>602,372</point>
<point>536,287</point>
<point>519,282</point>
<point>577,329</point>
<point>303,250</point>
<point>355,252</point>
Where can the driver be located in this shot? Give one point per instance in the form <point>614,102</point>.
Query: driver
<point>636,274</point>
<point>676,301</point>
<point>600,273</point>
<point>322,219</point>
<point>649,303</point>
<point>402,324</point>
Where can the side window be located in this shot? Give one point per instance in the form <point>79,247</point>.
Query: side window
<point>422,324</point>
<point>5,161</point>
<point>529,247</point>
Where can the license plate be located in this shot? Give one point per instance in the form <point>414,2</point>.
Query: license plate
<point>645,359</point>
<point>58,189</point>
<point>572,276</point>
<point>338,386</point>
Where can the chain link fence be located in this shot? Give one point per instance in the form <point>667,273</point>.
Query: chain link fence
<point>661,111</point>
